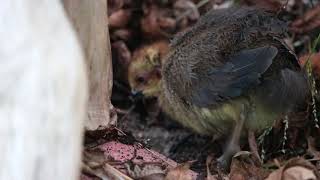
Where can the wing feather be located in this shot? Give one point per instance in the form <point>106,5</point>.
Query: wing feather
<point>241,72</point>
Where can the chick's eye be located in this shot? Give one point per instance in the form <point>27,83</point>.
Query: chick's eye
<point>140,79</point>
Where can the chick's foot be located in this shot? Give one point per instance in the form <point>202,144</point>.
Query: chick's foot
<point>224,161</point>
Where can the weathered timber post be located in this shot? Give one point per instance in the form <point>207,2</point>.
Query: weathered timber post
<point>90,20</point>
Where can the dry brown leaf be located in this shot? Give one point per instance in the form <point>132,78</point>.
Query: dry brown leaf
<point>180,172</point>
<point>94,164</point>
<point>299,173</point>
<point>121,34</point>
<point>156,22</point>
<point>186,13</point>
<point>245,165</point>
<point>295,169</point>
<point>315,60</point>
<point>167,23</point>
<point>146,172</point>
<point>122,53</point>
<point>119,18</point>
<point>114,5</point>
<point>186,8</point>
<point>153,177</point>
<point>94,157</point>
<point>99,173</point>
<point>149,23</point>
<point>209,175</point>
<point>114,173</point>
<point>93,161</point>
<point>309,21</point>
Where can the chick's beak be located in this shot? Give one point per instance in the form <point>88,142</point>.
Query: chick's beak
<point>136,95</point>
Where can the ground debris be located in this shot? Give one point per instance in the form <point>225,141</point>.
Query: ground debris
<point>295,169</point>
<point>246,165</point>
<point>180,172</point>
<point>147,172</point>
<point>309,21</point>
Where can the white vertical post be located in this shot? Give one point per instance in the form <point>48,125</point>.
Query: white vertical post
<point>43,91</point>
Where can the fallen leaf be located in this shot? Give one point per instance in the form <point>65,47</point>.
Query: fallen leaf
<point>99,173</point>
<point>146,172</point>
<point>156,22</point>
<point>94,157</point>
<point>245,165</point>
<point>121,59</point>
<point>180,172</point>
<point>186,13</point>
<point>315,61</point>
<point>309,21</point>
<point>121,34</point>
<point>114,5</point>
<point>209,175</point>
<point>299,173</point>
<point>295,169</point>
<point>114,173</point>
<point>167,23</point>
<point>94,164</point>
<point>122,53</point>
<point>119,19</point>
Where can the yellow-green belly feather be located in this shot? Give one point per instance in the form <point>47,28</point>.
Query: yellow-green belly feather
<point>221,119</point>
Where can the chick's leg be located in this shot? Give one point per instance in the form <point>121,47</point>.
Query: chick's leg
<point>253,145</point>
<point>233,147</point>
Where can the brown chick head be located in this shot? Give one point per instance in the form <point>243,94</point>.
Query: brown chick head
<point>144,72</point>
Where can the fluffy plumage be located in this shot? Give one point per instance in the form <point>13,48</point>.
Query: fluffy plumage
<point>231,70</point>
<point>232,60</point>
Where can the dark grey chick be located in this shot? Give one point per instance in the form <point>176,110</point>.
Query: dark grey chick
<point>232,70</point>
